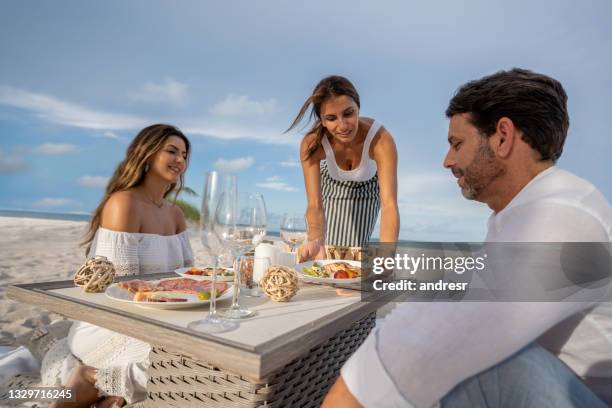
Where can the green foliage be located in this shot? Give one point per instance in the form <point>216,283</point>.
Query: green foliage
<point>189,191</point>
<point>191,212</point>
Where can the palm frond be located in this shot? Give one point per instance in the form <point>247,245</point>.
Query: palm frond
<point>189,191</point>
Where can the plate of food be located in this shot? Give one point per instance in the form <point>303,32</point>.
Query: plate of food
<point>330,271</point>
<point>173,293</point>
<point>204,273</point>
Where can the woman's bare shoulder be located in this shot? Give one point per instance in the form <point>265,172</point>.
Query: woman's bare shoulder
<point>383,144</point>
<point>307,141</point>
<point>122,212</point>
<point>179,218</point>
<point>365,124</point>
<point>366,121</point>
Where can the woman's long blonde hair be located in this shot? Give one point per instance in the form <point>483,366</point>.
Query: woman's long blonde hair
<point>334,85</point>
<point>131,171</point>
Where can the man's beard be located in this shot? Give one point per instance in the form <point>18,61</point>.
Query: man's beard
<point>480,173</point>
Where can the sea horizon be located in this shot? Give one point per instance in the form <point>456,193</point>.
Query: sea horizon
<point>64,216</point>
<point>49,215</point>
<point>77,216</point>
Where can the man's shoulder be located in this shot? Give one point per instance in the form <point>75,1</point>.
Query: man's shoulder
<point>561,206</point>
<point>561,188</point>
<point>566,184</point>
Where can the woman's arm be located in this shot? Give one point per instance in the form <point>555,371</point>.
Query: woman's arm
<point>315,215</point>
<point>384,153</point>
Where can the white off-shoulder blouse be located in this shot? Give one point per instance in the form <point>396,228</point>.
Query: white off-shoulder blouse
<point>139,253</point>
<point>121,361</point>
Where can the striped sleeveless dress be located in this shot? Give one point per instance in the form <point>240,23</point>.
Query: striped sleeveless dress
<point>351,198</point>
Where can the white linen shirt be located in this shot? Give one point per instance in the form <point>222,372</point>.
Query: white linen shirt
<point>422,350</point>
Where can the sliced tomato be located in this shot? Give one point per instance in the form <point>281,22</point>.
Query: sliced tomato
<point>341,275</point>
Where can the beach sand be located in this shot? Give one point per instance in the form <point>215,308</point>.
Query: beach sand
<point>40,250</point>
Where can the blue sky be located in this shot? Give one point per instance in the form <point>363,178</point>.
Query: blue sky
<point>79,79</point>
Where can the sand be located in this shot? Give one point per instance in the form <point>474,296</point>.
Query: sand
<point>39,250</point>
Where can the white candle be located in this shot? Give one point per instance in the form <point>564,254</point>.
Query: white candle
<point>259,266</point>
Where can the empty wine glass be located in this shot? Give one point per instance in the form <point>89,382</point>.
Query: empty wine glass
<point>250,229</point>
<point>293,229</point>
<point>213,233</point>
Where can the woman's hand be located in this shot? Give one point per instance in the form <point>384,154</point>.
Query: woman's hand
<point>314,249</point>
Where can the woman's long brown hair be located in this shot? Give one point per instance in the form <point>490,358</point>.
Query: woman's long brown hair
<point>131,171</point>
<point>334,85</point>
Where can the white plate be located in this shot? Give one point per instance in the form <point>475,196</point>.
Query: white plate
<point>300,270</point>
<point>181,272</point>
<point>123,295</point>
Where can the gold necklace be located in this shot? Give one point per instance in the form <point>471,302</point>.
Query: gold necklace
<point>160,205</point>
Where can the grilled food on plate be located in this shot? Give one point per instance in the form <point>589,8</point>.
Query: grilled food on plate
<point>335,270</point>
<point>170,290</point>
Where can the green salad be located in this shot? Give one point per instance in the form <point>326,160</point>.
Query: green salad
<point>317,270</point>
<point>335,270</point>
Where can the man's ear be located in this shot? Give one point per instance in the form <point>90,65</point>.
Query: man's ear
<point>504,138</point>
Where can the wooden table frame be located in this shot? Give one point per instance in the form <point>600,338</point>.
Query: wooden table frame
<point>256,363</point>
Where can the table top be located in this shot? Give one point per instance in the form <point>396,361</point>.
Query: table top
<point>259,346</point>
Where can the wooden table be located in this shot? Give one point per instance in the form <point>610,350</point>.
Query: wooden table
<point>260,357</point>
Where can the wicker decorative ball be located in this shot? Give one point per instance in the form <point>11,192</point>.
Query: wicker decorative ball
<point>95,275</point>
<point>279,283</point>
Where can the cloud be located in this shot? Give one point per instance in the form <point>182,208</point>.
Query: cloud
<point>111,135</point>
<point>53,149</point>
<point>290,162</point>
<point>57,111</point>
<point>93,181</point>
<point>56,202</point>
<point>54,110</point>
<point>11,164</point>
<point>434,193</point>
<point>233,132</point>
<point>432,208</point>
<point>171,91</point>
<point>277,183</point>
<point>234,165</point>
<point>241,105</point>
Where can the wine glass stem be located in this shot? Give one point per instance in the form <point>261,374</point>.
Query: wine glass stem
<point>213,292</point>
<point>236,283</point>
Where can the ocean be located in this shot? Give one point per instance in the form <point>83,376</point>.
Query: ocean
<point>45,215</point>
<point>67,217</point>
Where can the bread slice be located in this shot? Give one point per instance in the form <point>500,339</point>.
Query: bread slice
<point>163,296</point>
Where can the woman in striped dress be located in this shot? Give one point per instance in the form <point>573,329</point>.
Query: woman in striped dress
<point>350,171</point>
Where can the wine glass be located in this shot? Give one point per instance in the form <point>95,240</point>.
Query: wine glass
<point>293,230</point>
<point>250,229</point>
<point>213,233</point>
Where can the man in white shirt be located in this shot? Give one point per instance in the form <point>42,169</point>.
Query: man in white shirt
<point>506,132</point>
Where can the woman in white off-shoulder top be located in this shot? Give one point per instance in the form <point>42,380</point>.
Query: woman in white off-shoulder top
<point>141,232</point>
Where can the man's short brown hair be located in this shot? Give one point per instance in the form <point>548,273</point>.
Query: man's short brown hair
<point>536,104</point>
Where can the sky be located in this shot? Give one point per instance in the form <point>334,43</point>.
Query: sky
<point>79,79</point>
